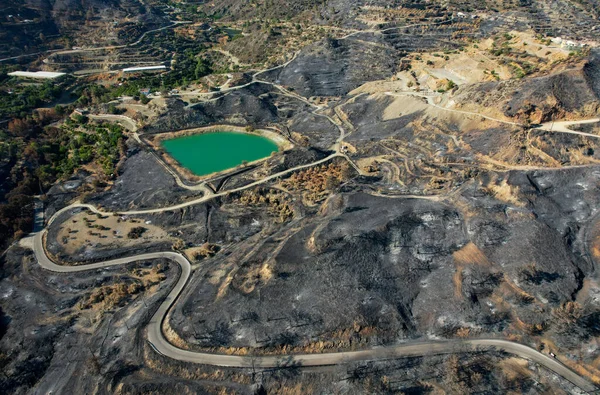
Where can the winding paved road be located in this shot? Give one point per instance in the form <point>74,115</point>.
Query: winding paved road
<point>158,341</point>
<point>155,327</point>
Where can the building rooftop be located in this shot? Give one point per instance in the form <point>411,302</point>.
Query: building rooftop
<point>146,68</point>
<point>36,74</point>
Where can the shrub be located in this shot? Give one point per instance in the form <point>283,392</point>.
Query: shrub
<point>136,233</point>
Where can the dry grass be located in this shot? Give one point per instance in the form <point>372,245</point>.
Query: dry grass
<point>587,371</point>
<point>316,182</point>
<point>457,280</point>
<point>463,333</point>
<point>506,193</point>
<point>247,280</point>
<point>190,371</point>
<point>352,338</point>
<point>225,284</point>
<point>206,250</point>
<point>172,336</point>
<point>515,369</point>
<point>108,297</point>
<point>595,247</point>
<point>90,230</point>
<point>516,290</point>
<point>470,254</point>
<point>529,328</point>
<point>277,203</point>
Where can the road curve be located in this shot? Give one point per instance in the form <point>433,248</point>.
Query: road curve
<point>158,341</point>
<point>563,127</point>
<point>193,202</point>
<point>206,198</point>
<point>127,122</point>
<point>68,51</point>
<point>430,102</point>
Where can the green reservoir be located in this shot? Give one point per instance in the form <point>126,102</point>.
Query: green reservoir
<point>208,153</point>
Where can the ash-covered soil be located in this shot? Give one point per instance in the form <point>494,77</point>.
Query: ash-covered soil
<point>143,183</point>
<point>257,104</point>
<point>52,342</point>
<point>373,270</point>
<point>323,259</point>
<point>319,132</point>
<point>31,25</point>
<point>335,67</point>
<point>496,239</point>
<point>366,114</point>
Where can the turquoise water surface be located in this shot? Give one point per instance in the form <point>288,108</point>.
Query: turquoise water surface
<point>208,153</point>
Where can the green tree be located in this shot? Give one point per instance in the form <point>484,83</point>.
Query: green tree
<point>202,69</point>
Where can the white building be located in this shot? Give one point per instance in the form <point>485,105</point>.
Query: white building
<point>49,75</point>
<point>143,69</point>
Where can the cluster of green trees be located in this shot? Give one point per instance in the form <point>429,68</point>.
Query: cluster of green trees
<point>34,154</point>
<point>521,69</point>
<point>17,189</point>
<point>76,145</point>
<point>188,69</point>
<point>16,210</point>
<point>23,99</point>
<point>188,66</point>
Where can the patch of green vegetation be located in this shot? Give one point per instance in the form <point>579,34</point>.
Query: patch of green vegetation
<point>449,86</point>
<point>34,155</point>
<point>187,70</point>
<point>579,53</point>
<point>522,69</point>
<point>501,45</point>
<point>76,145</point>
<point>136,233</point>
<point>504,50</point>
<point>232,33</point>
<point>17,100</point>
<point>493,73</point>
<point>188,66</point>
